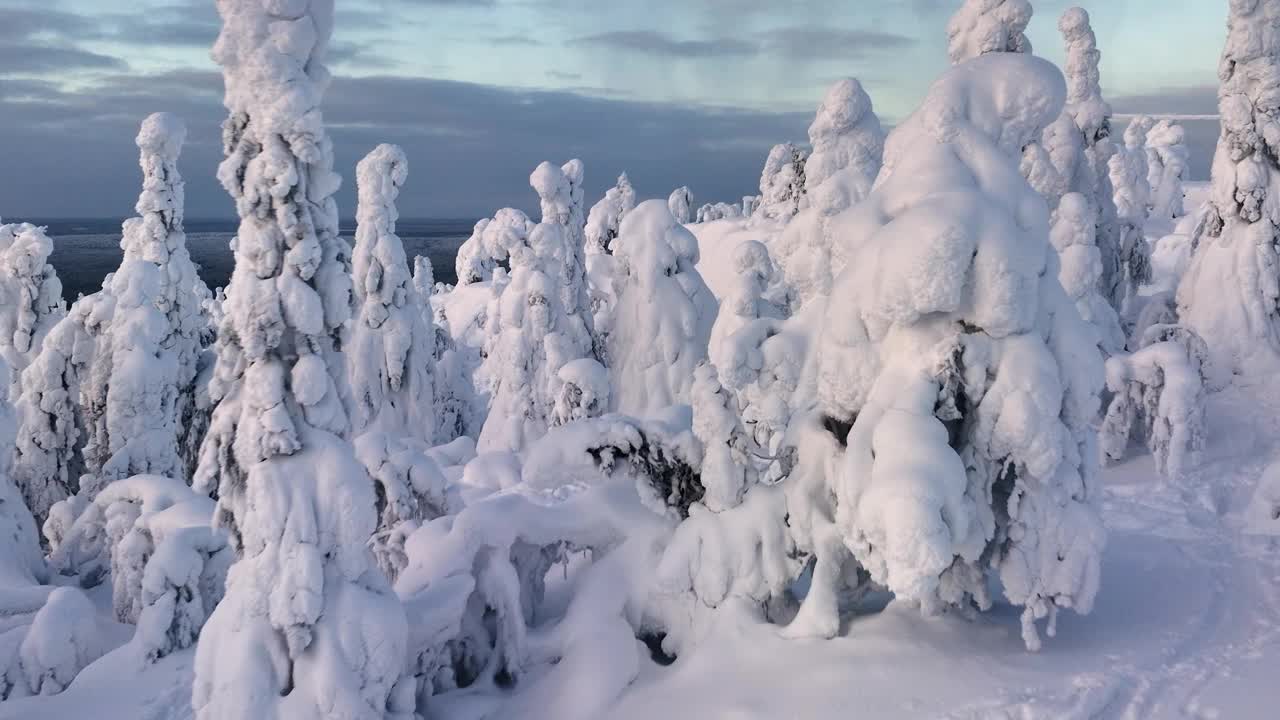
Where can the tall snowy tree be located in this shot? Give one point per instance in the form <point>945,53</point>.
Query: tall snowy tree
<point>606,216</point>
<point>308,626</point>
<point>1168,141</point>
<point>986,26</point>
<point>1230,294</point>
<point>392,362</point>
<point>154,329</point>
<point>1128,172</point>
<point>848,145</point>
<point>1080,267</point>
<point>30,297</point>
<point>664,315</point>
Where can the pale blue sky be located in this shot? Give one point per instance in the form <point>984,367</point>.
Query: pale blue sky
<point>674,91</point>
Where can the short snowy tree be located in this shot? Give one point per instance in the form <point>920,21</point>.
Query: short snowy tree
<point>1230,291</point>
<point>30,297</point>
<point>1159,399</point>
<point>848,144</point>
<point>1080,267</point>
<point>62,641</point>
<point>606,216</point>
<point>782,182</point>
<point>745,301</point>
<point>1169,142</point>
<point>453,389</point>
<point>141,409</point>
<point>664,315</point>
<point>681,205</point>
<point>957,381</point>
<point>310,625</point>
<point>986,26</point>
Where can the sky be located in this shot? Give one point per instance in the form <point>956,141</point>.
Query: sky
<point>478,92</point>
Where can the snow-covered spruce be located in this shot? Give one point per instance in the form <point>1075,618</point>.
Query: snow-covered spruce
<point>711,212</point>
<point>1080,147</point>
<point>1168,140</point>
<point>664,314</point>
<point>1229,293</point>
<point>454,394</point>
<point>62,640</point>
<point>22,564</point>
<point>391,361</point>
<point>606,216</point>
<point>536,324</point>
<point>782,184</point>
<point>1080,268</point>
<point>1159,399</point>
<point>30,298</point>
<point>47,460</point>
<point>681,205</point>
<point>964,375</point>
<point>746,301</point>
<point>309,623</point>
<point>848,144</point>
<point>1127,169</point>
<point>986,26</point>
<point>140,396</point>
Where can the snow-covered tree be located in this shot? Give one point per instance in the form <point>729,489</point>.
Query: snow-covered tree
<point>711,212</point>
<point>62,641</point>
<point>453,389</point>
<point>392,361</point>
<point>606,216</point>
<point>848,144</point>
<point>745,301</point>
<point>21,561</point>
<point>1159,398</point>
<point>681,205</point>
<point>1230,291</point>
<point>664,314</point>
<point>1080,267</point>
<point>30,297</point>
<point>986,26</point>
<point>533,313</point>
<point>1169,142</point>
<point>308,621</point>
<point>1128,172</point>
<point>782,182</point>
<point>153,331</point>
<point>930,351</point>
<point>560,194</point>
<point>47,460</point>
<point>727,468</point>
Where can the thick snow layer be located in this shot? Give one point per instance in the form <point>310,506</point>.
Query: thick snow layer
<point>986,26</point>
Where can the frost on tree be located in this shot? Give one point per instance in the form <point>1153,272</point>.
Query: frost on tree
<point>1168,141</point>
<point>956,372</point>
<point>561,196</point>
<point>391,362</point>
<point>664,315</point>
<point>848,144</point>
<point>483,251</point>
<point>308,626</point>
<point>535,324</point>
<point>1128,172</point>
<point>988,26</point>
<point>1080,269</point>
<point>30,298</point>
<point>1159,399</point>
<point>681,205</point>
<point>141,411</point>
<point>1230,291</point>
<point>782,184</point>
<point>453,390</point>
<point>22,562</point>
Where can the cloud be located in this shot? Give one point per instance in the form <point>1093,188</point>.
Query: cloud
<point>22,59</point>
<point>472,146</point>
<point>653,42</point>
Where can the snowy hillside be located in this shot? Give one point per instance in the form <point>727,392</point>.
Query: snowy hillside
<point>976,418</point>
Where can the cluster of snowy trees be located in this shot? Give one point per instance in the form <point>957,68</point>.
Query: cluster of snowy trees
<point>348,486</point>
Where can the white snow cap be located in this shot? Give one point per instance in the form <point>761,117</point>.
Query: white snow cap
<point>987,26</point>
<point>848,144</point>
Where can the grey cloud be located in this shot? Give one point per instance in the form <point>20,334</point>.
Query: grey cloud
<point>472,146</point>
<point>797,42</point>
<point>833,43</point>
<point>657,43</point>
<point>24,58</point>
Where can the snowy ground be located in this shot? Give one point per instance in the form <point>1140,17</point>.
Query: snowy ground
<point>1187,624</point>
